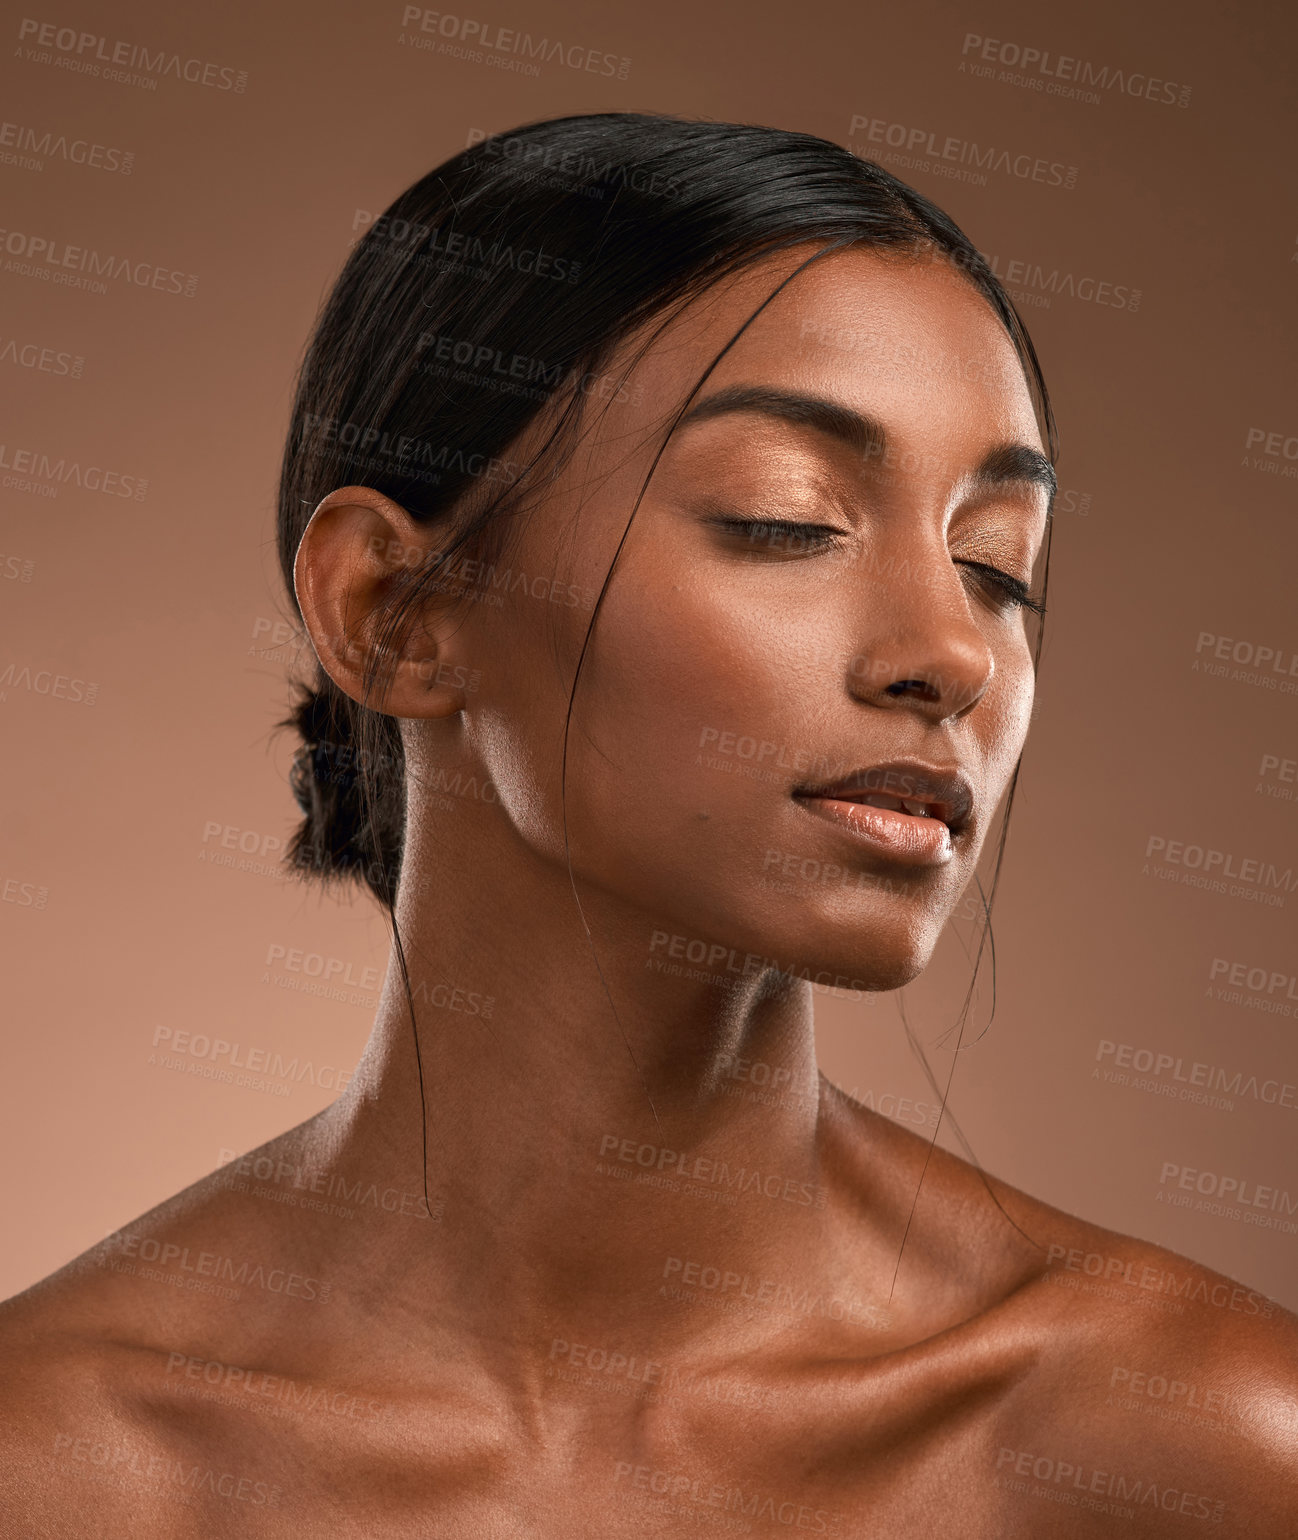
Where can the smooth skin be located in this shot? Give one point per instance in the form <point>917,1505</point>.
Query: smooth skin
<point>560,1347</point>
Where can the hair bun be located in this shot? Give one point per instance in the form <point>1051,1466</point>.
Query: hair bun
<point>348,778</point>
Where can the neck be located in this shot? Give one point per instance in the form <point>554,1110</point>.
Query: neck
<point>591,1120</point>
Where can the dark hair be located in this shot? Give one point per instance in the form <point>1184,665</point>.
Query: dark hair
<point>494,289</point>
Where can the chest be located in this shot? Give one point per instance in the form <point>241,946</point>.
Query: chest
<point>838,1451</point>
<point>600,1471</point>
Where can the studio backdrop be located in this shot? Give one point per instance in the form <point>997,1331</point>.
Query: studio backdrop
<point>181,186</point>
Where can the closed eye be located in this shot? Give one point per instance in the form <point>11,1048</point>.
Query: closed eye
<point>1010,589</point>
<point>788,537</point>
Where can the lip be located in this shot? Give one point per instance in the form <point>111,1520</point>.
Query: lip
<point>941,807</point>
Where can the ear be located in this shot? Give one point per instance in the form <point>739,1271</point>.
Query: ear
<point>346,572</point>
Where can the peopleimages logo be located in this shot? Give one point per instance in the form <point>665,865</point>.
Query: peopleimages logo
<point>159,1471</point>
<point>203,1050</point>
<point>1052,70</point>
<point>464,35</point>
<point>91,53</point>
<point>686,1492</point>
<point>1200,866</point>
<point>1214,1185</point>
<point>32,470</point>
<point>45,360</point>
<point>238,1272</point>
<point>699,1168</point>
<point>1268,668</point>
<point>1228,1197</point>
<point>46,682</point>
<point>1197,1081</point>
<point>1144,1278</point>
<point>1071,1479</point>
<point>29,148</point>
<point>81,267</point>
<point>1274,449</point>
<point>1034,284</point>
<point>953,156</point>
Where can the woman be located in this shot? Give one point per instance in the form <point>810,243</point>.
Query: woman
<point>667,504</point>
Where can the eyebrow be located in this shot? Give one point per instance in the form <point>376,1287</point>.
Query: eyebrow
<point>1007,463</point>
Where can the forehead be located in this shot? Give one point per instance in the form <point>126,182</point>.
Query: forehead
<point>911,344</point>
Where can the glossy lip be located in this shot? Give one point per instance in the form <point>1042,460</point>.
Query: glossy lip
<point>941,798</point>
<point>905,838</point>
<point>944,791</point>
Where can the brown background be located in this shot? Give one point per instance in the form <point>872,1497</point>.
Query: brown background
<point>116,924</point>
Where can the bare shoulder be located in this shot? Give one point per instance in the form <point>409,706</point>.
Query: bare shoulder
<point>1146,1389</point>
<point>99,1435</point>
<point>1162,1390</point>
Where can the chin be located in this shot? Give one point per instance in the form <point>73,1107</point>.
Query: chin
<point>884,969</point>
<point>885,954</point>
<point>882,975</point>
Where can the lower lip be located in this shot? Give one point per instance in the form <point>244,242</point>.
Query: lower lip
<point>901,836</point>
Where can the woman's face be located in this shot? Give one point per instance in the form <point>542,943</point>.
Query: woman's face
<point>796,610</point>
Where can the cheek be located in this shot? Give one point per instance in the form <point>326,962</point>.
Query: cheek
<point>663,798</point>
<point>679,667</point>
<point>671,672</point>
<point>526,650</point>
<point>1005,713</point>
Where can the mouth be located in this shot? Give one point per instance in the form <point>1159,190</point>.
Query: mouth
<point>905,810</point>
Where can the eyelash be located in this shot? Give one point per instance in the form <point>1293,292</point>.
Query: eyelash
<point>1012,589</point>
<point>817,536</point>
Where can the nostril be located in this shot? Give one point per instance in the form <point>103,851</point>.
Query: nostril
<point>904,686</point>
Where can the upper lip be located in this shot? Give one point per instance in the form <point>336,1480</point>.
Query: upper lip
<point>943,791</point>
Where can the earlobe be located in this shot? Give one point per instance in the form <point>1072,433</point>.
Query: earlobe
<point>352,570</point>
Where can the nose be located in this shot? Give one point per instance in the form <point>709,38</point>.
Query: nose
<point>920,645</point>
